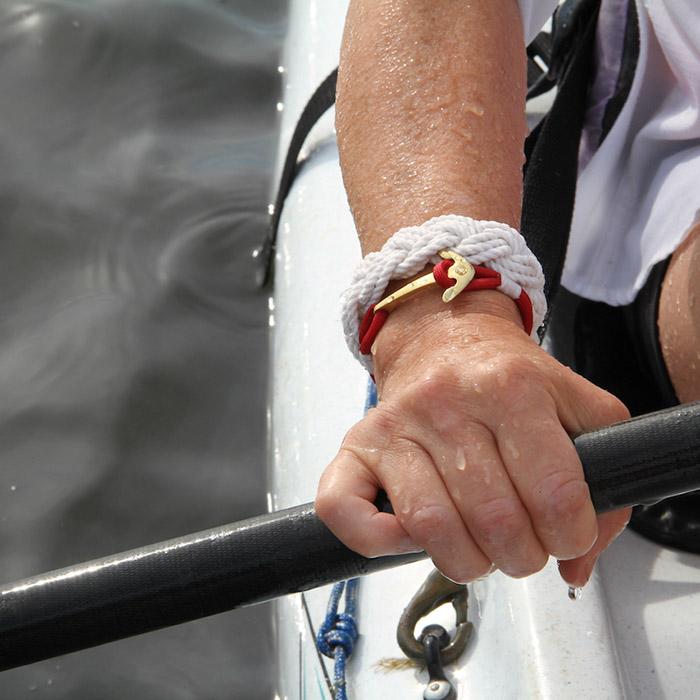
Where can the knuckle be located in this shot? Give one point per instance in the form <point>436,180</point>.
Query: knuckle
<point>613,409</point>
<point>354,452</point>
<point>382,420</point>
<point>370,435</point>
<point>359,434</point>
<point>354,432</point>
<point>511,374</point>
<point>503,525</point>
<point>560,497</point>
<point>498,521</point>
<point>433,388</point>
<point>427,523</point>
<point>515,367</point>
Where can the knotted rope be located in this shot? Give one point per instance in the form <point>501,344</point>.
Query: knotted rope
<point>338,633</point>
<point>409,250</point>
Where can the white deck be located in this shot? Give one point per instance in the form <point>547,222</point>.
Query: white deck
<point>633,634</point>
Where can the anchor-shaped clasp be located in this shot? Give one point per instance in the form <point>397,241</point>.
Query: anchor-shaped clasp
<point>461,270</point>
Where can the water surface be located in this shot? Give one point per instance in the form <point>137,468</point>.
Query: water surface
<point>136,144</point>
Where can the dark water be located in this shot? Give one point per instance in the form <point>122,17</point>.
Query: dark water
<point>136,145</point>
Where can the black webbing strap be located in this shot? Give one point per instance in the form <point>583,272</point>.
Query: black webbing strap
<point>552,152</point>
<point>322,100</point>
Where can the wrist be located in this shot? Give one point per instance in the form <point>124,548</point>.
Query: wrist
<point>413,328</point>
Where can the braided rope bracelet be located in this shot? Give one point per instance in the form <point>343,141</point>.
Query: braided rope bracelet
<point>491,255</point>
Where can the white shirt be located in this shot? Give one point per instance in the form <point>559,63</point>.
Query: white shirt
<point>639,193</point>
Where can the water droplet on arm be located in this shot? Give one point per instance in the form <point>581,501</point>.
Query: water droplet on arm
<point>461,461</point>
<point>512,448</point>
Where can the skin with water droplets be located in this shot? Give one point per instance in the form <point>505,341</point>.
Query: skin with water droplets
<point>512,448</point>
<point>422,119</point>
<point>460,461</point>
<point>679,318</point>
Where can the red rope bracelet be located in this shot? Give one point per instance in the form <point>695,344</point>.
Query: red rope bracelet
<point>484,278</point>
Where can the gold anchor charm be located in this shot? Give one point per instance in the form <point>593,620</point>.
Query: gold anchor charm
<point>462,271</point>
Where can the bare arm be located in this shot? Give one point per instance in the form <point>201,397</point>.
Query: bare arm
<point>470,439</point>
<point>430,112</point>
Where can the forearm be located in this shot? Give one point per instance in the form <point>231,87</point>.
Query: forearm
<point>430,112</point>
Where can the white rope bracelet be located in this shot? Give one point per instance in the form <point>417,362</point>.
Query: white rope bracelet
<point>410,249</point>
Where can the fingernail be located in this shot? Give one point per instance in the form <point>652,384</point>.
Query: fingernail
<point>581,575</point>
<point>588,572</point>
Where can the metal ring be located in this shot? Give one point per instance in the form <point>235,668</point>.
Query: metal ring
<point>435,592</point>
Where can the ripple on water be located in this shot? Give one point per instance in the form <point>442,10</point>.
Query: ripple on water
<point>137,141</point>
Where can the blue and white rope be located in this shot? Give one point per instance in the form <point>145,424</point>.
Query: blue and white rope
<point>338,633</point>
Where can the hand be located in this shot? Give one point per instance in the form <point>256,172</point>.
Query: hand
<point>471,442</point>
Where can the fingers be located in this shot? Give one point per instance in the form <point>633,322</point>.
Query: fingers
<point>576,572</point>
<point>489,505</point>
<point>582,408</point>
<point>427,512</point>
<point>546,472</point>
<point>478,472</point>
<point>345,503</point>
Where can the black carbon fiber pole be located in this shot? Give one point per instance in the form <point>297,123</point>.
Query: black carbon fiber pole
<point>643,459</point>
<point>258,559</point>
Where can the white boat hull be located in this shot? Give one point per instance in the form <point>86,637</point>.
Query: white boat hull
<point>632,634</point>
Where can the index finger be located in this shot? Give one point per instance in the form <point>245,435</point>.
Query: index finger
<point>345,502</point>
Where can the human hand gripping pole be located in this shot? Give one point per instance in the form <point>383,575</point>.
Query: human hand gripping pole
<point>638,461</point>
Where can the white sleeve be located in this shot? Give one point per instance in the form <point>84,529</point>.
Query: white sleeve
<point>535,13</point>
